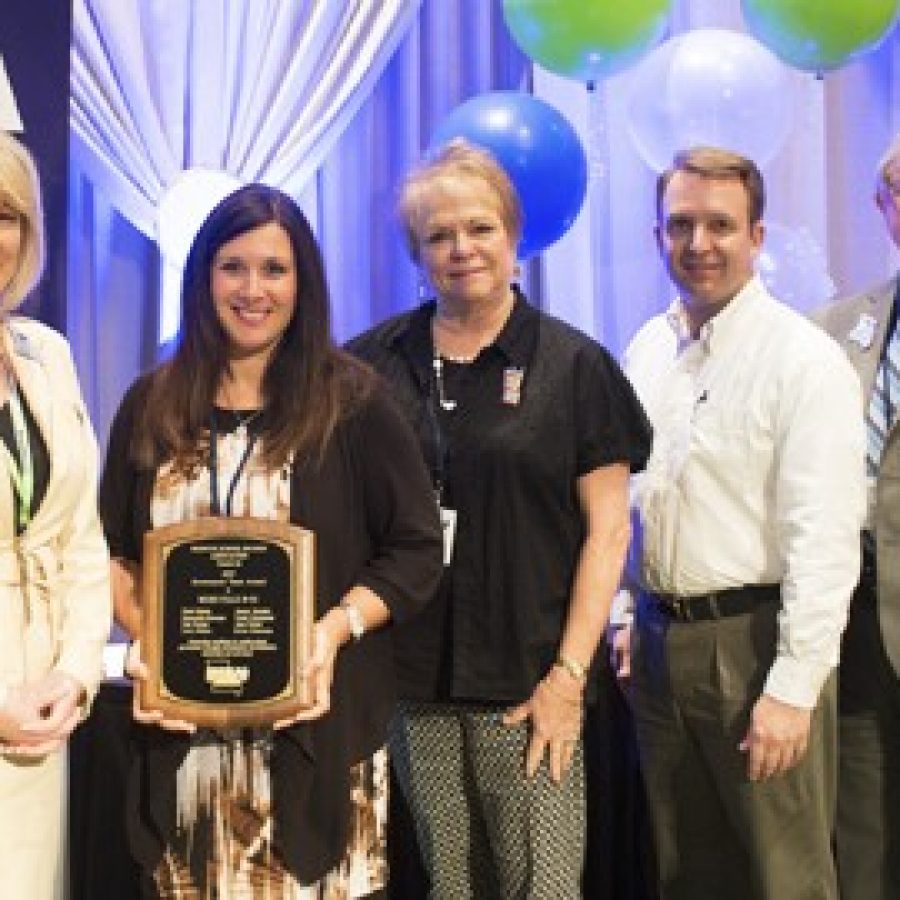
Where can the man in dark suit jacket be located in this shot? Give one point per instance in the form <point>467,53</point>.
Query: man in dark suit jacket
<point>868,815</point>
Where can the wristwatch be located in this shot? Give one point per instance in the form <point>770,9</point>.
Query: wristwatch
<point>354,619</point>
<point>572,666</point>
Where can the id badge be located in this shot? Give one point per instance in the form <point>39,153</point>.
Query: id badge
<point>448,529</point>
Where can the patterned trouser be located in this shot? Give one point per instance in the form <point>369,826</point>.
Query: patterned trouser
<point>484,829</point>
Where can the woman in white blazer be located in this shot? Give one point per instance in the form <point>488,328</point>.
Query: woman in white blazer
<point>54,569</point>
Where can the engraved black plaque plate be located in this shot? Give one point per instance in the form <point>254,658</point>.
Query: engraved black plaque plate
<point>228,615</point>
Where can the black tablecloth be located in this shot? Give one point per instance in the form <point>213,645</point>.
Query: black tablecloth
<point>617,856</point>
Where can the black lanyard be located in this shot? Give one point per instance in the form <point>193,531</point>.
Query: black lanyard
<point>214,504</point>
<point>433,401</point>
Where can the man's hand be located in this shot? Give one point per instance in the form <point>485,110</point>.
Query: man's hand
<point>776,739</point>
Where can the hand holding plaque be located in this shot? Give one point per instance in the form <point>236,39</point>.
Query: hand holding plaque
<point>228,621</point>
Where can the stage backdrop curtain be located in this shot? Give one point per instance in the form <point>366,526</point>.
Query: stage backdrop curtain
<point>603,276</point>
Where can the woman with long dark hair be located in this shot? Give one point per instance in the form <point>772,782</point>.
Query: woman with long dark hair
<point>259,414</point>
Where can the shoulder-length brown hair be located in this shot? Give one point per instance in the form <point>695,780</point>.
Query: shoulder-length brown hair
<point>309,384</point>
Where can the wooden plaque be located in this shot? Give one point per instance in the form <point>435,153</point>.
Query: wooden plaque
<point>228,613</point>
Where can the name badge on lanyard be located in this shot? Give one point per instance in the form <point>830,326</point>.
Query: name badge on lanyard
<point>21,472</point>
<point>448,530</point>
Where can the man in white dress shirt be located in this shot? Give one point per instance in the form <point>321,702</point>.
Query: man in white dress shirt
<point>868,810</point>
<point>748,550</point>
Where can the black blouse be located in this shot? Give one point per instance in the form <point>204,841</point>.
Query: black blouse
<point>540,407</point>
<point>370,505</point>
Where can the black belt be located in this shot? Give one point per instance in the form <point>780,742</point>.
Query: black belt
<point>716,604</point>
<point>867,586</point>
<point>869,559</point>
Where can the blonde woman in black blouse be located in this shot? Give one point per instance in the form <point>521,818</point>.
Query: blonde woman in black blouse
<point>530,431</point>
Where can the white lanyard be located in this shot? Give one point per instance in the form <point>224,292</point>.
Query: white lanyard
<point>21,473</point>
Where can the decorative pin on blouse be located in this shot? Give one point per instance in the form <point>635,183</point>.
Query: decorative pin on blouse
<point>512,386</point>
<point>863,332</point>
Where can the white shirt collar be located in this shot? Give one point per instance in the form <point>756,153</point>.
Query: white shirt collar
<point>721,323</point>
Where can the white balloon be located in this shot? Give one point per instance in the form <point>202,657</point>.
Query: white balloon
<point>713,87</point>
<point>794,268</point>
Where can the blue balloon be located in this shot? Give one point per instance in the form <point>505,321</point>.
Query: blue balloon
<point>540,152</point>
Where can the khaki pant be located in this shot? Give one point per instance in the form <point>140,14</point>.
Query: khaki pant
<point>717,834</point>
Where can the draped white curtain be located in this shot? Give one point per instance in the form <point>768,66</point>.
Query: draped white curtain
<point>258,88</point>
<point>451,50</point>
<point>175,102</point>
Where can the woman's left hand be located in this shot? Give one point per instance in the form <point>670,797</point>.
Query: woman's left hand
<point>555,710</point>
<point>320,671</point>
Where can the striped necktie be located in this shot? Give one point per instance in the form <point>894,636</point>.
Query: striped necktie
<point>883,401</point>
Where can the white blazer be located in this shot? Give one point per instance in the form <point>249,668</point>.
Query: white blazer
<point>55,598</point>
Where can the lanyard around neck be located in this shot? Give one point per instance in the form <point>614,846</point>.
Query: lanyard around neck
<point>21,471</point>
<point>214,502</point>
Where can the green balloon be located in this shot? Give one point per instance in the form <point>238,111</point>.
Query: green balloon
<point>818,35</point>
<point>586,39</point>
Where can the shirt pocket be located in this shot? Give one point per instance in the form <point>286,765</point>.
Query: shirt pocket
<point>732,433</point>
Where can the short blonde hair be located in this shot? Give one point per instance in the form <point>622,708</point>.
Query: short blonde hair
<point>458,160</point>
<point>20,190</point>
